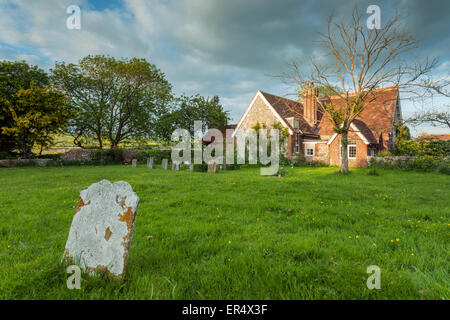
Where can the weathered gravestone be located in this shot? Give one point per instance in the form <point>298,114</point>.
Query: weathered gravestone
<point>134,163</point>
<point>212,167</point>
<point>165,164</point>
<point>150,163</point>
<point>102,228</point>
<point>175,166</point>
<point>191,167</point>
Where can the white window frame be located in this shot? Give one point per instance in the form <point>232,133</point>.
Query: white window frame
<point>348,150</point>
<point>310,146</point>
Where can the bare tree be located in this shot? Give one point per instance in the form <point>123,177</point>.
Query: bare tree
<point>359,61</point>
<point>434,117</point>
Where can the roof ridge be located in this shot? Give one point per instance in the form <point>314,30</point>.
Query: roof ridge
<point>263,92</point>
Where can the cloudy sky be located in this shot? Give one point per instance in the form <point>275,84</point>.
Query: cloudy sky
<point>211,47</point>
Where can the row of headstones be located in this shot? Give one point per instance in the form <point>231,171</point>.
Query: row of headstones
<point>212,166</point>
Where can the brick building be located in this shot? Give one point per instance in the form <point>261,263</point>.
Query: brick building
<point>433,137</point>
<point>311,133</point>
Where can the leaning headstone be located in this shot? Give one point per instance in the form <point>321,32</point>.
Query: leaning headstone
<point>102,228</point>
<point>212,167</point>
<point>165,164</point>
<point>150,163</point>
<point>175,166</point>
<point>134,163</point>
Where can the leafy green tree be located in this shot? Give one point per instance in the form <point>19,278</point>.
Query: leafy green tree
<point>115,99</point>
<point>38,114</point>
<point>15,76</point>
<point>190,109</point>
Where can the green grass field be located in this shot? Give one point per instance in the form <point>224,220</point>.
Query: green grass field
<point>64,142</point>
<point>236,234</point>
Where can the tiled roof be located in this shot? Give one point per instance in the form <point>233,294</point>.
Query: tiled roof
<point>287,108</point>
<point>375,120</point>
<point>427,136</point>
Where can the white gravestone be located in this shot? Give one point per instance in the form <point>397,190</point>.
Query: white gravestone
<point>165,164</point>
<point>150,163</point>
<point>102,228</point>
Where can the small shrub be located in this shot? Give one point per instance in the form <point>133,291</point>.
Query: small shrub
<point>384,153</point>
<point>281,172</point>
<point>434,148</point>
<point>201,167</point>
<point>444,168</point>
<point>234,166</point>
<point>53,156</point>
<point>110,156</point>
<point>425,163</point>
<point>156,154</point>
<point>113,156</point>
<point>6,156</point>
<point>297,161</point>
<point>373,171</point>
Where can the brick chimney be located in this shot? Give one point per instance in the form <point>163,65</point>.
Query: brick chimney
<point>309,103</point>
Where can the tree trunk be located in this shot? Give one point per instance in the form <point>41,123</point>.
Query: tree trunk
<point>344,152</point>
<point>99,140</point>
<point>25,151</point>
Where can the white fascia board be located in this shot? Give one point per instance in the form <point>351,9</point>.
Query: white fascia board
<point>259,94</point>
<point>354,129</point>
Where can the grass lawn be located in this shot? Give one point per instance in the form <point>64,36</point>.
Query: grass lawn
<point>236,234</point>
<point>64,142</point>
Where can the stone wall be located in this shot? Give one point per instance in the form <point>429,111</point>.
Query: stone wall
<point>78,154</point>
<point>25,162</point>
<point>392,159</point>
<point>87,154</point>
